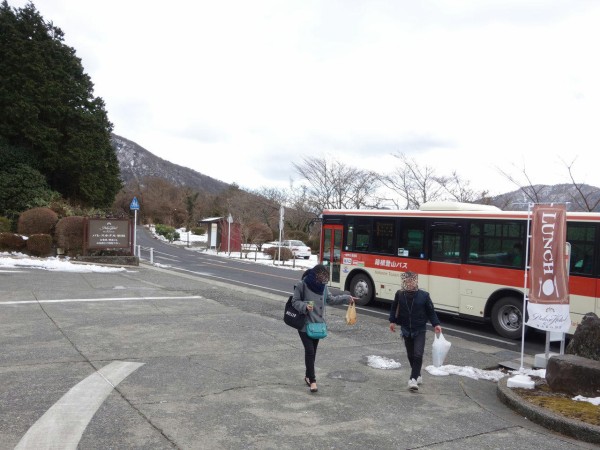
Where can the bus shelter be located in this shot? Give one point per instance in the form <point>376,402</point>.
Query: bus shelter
<point>222,236</point>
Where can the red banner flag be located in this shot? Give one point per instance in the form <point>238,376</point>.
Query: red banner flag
<point>548,305</point>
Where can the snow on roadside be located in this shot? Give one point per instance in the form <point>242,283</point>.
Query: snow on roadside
<point>19,260</point>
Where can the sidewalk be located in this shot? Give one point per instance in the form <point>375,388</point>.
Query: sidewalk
<point>222,371</point>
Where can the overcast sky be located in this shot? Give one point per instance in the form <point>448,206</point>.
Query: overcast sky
<point>239,90</point>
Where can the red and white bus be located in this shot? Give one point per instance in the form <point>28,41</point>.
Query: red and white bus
<point>471,258</point>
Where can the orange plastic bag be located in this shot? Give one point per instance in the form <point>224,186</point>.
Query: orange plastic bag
<point>351,314</point>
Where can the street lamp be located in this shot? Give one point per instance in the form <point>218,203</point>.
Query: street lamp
<point>229,220</point>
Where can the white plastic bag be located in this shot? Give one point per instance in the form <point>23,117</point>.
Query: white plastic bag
<point>439,349</point>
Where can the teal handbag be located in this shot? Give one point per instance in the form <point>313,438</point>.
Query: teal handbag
<point>316,330</point>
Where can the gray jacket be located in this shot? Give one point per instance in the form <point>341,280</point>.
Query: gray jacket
<point>303,295</point>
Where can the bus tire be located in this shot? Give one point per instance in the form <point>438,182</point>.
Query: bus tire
<point>361,287</point>
<point>507,317</point>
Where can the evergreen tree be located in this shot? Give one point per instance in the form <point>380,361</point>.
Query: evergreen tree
<point>21,185</point>
<point>47,106</point>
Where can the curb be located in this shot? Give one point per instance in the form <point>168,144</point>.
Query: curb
<point>579,430</point>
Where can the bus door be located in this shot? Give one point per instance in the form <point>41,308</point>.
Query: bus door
<point>332,250</point>
<point>445,248</point>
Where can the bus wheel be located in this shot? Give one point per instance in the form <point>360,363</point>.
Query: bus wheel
<point>507,317</point>
<point>362,287</point>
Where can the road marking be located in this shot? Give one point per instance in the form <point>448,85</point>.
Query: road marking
<point>64,423</point>
<point>107,299</point>
<point>450,329</point>
<point>168,259</point>
<point>227,279</point>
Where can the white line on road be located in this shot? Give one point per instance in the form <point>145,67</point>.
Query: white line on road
<point>107,299</point>
<point>64,423</point>
<point>451,329</point>
<point>168,259</point>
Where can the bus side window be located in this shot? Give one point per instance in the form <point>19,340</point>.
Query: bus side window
<point>362,230</point>
<point>412,237</point>
<point>383,237</point>
<point>582,237</point>
<point>516,255</point>
<point>445,246</point>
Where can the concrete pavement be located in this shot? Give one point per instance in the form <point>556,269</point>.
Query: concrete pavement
<point>218,369</point>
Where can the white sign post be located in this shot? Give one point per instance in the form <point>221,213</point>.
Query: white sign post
<point>281,213</point>
<point>229,221</point>
<point>135,205</point>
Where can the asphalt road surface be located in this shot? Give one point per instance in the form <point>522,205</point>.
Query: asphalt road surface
<point>277,280</point>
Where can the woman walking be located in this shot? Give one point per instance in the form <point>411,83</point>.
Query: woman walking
<point>411,309</point>
<point>309,298</point>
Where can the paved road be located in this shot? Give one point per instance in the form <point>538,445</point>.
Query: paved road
<point>241,272</point>
<point>149,358</point>
<point>279,280</point>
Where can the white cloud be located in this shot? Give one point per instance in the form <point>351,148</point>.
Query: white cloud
<point>231,88</point>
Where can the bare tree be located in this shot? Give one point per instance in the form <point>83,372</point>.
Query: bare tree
<point>414,183</point>
<point>458,189</point>
<point>587,197</point>
<point>190,205</point>
<point>258,233</point>
<point>531,192</point>
<point>583,196</point>
<point>335,185</point>
<point>269,201</point>
<point>299,214</point>
<point>160,201</point>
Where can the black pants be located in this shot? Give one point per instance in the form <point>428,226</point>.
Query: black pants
<point>310,353</point>
<point>415,348</point>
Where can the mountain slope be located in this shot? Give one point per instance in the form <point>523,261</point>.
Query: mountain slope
<point>588,197</point>
<point>136,163</point>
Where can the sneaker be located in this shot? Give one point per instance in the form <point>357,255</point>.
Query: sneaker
<point>412,385</point>
<point>419,380</point>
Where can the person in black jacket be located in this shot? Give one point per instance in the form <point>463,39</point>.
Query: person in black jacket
<point>411,309</point>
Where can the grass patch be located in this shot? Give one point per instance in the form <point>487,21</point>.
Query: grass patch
<point>560,403</point>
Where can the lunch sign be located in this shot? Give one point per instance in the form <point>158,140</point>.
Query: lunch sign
<point>548,305</point>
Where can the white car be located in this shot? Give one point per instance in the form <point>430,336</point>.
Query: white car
<point>298,248</point>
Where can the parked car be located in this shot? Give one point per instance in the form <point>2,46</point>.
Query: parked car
<point>298,248</point>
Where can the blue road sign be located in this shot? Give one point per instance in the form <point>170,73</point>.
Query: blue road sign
<point>134,204</point>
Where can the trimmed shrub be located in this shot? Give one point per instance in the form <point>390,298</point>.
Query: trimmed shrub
<point>37,221</point>
<point>273,252</point>
<point>39,245</point>
<point>12,242</point>
<point>69,235</point>
<point>5,224</point>
<point>169,233</point>
<point>198,231</point>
